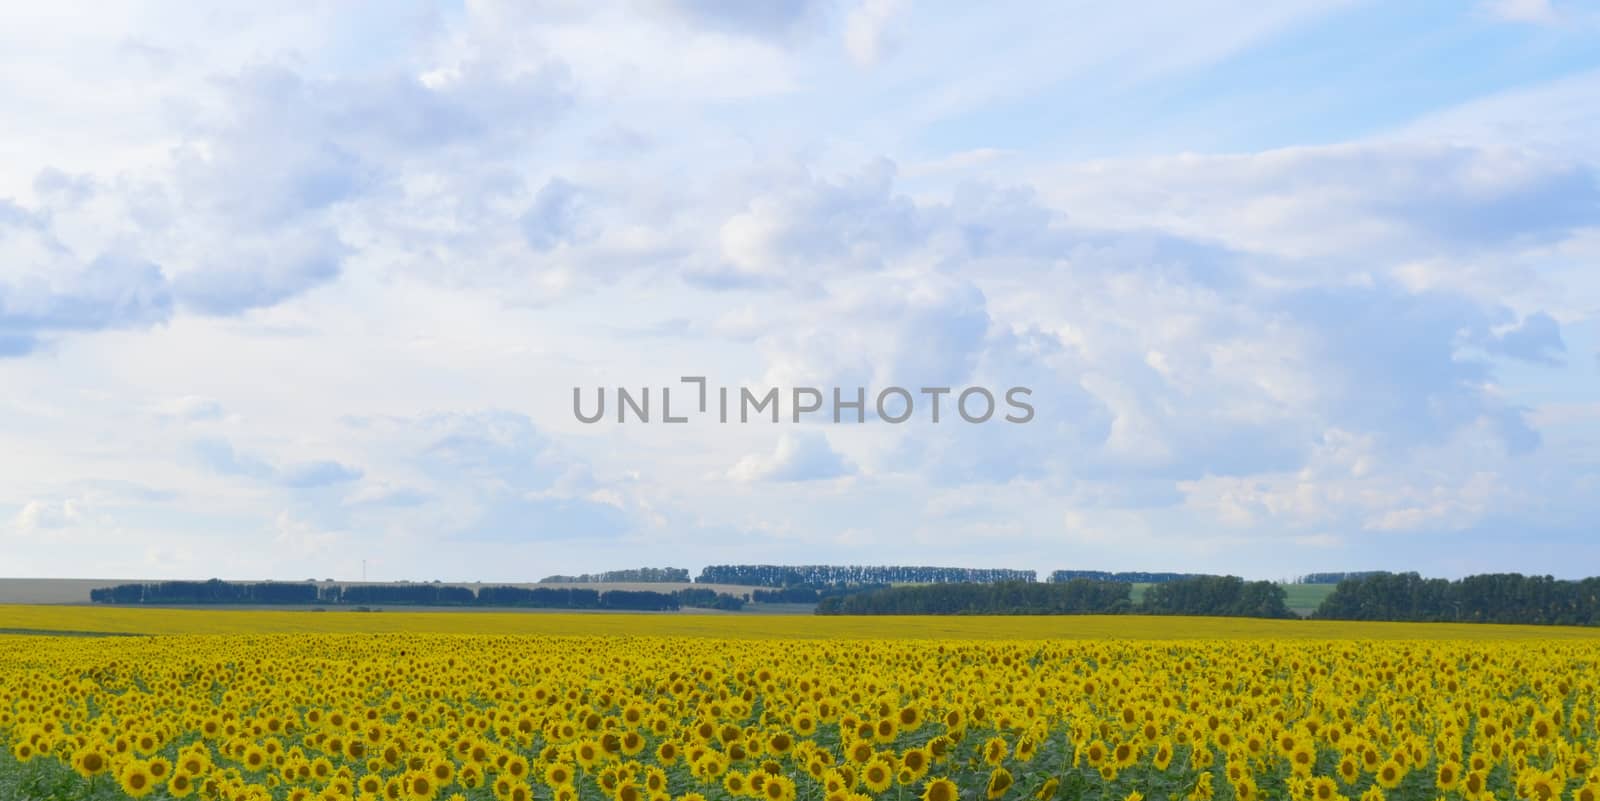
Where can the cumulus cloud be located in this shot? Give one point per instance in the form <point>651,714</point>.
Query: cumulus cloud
<point>807,225</point>
<point>1536,339</point>
<point>553,217</point>
<point>510,481</point>
<point>774,19</point>
<point>869,29</point>
<point>804,456</point>
<point>221,457</point>
<point>1241,346</point>
<point>40,516</point>
<point>47,289</point>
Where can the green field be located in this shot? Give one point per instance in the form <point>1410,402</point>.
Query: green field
<point>1302,598</point>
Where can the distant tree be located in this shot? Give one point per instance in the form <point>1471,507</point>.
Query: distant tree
<point>1081,596</point>
<point>1223,596</point>
<point>1486,598</point>
<point>822,575</point>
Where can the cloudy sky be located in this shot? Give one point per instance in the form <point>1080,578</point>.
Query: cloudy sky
<point>1305,285</point>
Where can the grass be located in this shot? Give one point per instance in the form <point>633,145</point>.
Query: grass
<point>1302,598</point>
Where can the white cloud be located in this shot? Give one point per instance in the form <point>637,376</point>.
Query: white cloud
<point>269,267</point>
<point>1539,11</point>
<point>869,29</point>
<point>797,457</point>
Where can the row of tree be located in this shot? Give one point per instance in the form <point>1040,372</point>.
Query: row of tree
<point>210,592</point>
<point>809,595</point>
<point>1134,577</point>
<point>1335,578</point>
<point>177,593</point>
<point>1488,598</point>
<point>1218,596</point>
<point>1228,596</point>
<point>830,575</point>
<point>638,575</point>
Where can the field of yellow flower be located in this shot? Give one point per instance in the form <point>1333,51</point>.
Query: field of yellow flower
<point>858,710</point>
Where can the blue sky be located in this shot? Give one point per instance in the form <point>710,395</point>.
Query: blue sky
<point>1298,287</point>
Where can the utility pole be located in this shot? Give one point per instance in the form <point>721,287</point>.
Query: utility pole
<point>363,570</point>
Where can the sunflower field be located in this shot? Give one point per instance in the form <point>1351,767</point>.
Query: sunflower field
<point>510,717</point>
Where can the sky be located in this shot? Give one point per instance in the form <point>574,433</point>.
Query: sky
<point>302,289</point>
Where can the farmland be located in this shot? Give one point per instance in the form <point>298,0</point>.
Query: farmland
<point>301,705</point>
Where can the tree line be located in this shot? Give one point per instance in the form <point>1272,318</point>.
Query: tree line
<point>1134,577</point>
<point>1335,578</point>
<point>809,595</point>
<point>830,575</point>
<point>1218,596</point>
<point>1228,596</point>
<point>638,575</point>
<point>215,591</point>
<point>1487,598</point>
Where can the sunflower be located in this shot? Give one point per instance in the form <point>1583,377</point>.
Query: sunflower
<point>1245,789</point>
<point>588,754</point>
<point>1389,775</point>
<point>443,772</point>
<point>1324,789</point>
<point>655,780</point>
<point>1125,755</point>
<point>909,717</point>
<point>194,762</point>
<point>135,779</point>
<point>861,751</point>
<point>1047,791</point>
<point>994,751</point>
<point>1543,788</point>
<point>778,788</point>
<point>91,762</point>
<point>877,775</point>
<point>941,789</point>
<point>667,752</point>
<point>180,785</point>
<point>916,761</point>
<point>1448,777</point>
<point>1163,756</point>
<point>999,782</point>
<point>420,786</point>
<point>710,766</point>
<point>557,774</point>
<point>255,758</point>
<point>516,767</point>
